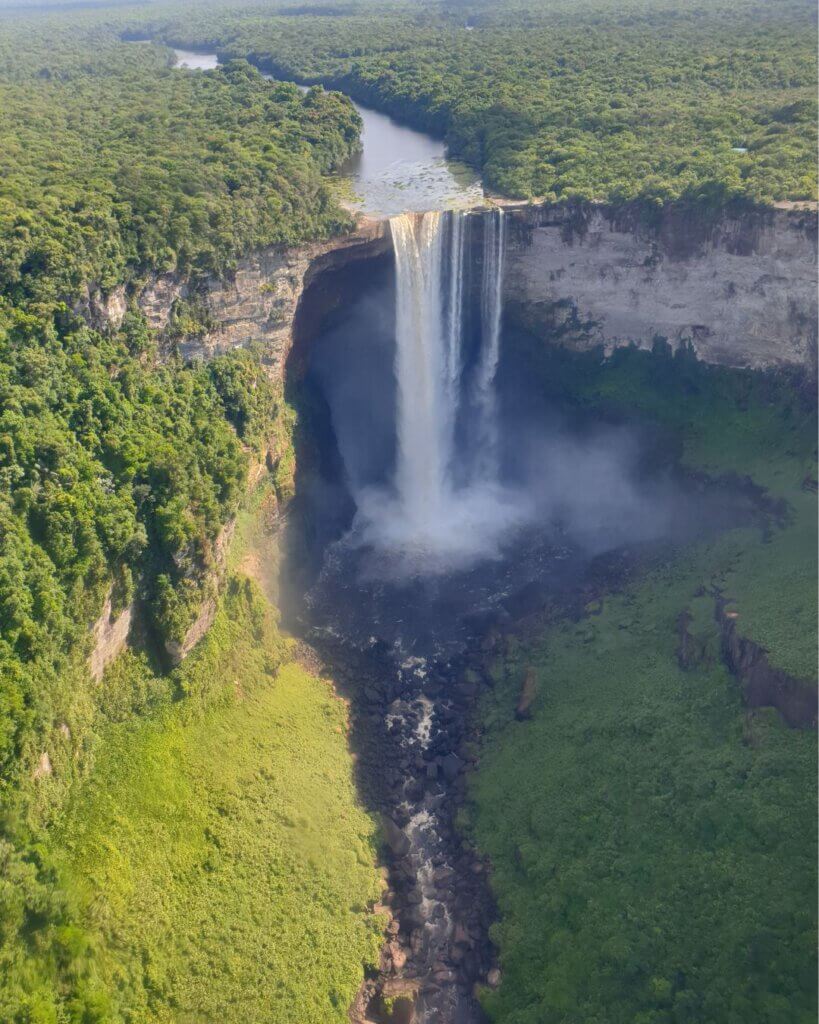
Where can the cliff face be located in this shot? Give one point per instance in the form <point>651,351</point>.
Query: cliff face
<point>258,302</point>
<point>740,288</point>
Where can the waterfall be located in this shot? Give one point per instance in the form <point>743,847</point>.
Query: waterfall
<point>432,360</point>
<point>455,310</point>
<point>491,313</point>
<point>424,414</point>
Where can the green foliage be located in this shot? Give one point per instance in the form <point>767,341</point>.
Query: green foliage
<point>112,470</point>
<point>114,163</point>
<point>732,423</point>
<point>653,844</point>
<point>118,471</point>
<point>653,850</point>
<point>597,99</point>
<point>215,864</point>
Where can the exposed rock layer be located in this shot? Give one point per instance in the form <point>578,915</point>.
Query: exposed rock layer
<point>257,302</point>
<point>763,684</point>
<point>110,636</point>
<point>738,286</point>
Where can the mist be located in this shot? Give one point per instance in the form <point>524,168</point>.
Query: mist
<point>587,486</point>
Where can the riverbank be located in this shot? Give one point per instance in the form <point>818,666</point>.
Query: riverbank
<point>648,818</point>
<point>217,861</point>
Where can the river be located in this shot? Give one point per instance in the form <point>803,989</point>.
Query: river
<point>397,169</point>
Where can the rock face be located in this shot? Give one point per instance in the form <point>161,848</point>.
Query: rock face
<point>177,650</point>
<point>764,685</point>
<point>258,301</point>
<point>739,287</point>
<point>110,637</point>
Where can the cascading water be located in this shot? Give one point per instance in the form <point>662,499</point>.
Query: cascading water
<point>424,413</point>
<point>455,310</point>
<point>491,314</point>
<point>435,513</point>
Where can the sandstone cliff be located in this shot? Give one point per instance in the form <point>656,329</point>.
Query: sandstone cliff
<point>257,302</point>
<point>739,287</point>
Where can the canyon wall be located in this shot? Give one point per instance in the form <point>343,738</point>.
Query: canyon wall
<point>258,301</point>
<point>739,287</point>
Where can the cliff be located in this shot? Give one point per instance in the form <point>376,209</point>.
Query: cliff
<point>739,286</point>
<point>258,301</point>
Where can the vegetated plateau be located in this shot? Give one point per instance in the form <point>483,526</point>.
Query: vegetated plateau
<point>184,834</point>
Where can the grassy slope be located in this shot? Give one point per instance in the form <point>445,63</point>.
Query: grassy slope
<point>653,844</point>
<point>218,849</point>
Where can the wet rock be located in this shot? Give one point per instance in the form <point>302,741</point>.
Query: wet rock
<point>395,837</point>
<point>399,1000</point>
<point>691,650</point>
<point>451,766</point>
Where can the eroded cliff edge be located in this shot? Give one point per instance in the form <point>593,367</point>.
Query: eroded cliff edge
<point>738,286</point>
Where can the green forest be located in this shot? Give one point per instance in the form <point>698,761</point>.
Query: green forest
<point>653,840</point>
<point>186,843</point>
<point>595,99</point>
<point>119,464</point>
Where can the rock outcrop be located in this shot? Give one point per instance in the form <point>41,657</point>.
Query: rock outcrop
<point>258,301</point>
<point>763,684</point>
<point>177,650</point>
<point>738,286</point>
<point>110,637</point>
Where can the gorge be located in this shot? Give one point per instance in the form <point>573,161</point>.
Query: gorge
<point>419,533</point>
<point>407,592</point>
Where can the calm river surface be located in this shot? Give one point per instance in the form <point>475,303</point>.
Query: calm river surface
<point>398,168</point>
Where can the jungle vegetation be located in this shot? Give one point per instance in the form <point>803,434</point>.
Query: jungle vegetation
<point>600,99</point>
<point>214,862</point>
<point>653,840</point>
<point>119,465</point>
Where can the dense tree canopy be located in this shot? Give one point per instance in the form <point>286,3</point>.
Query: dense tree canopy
<point>115,465</point>
<point>119,465</point>
<point>592,98</point>
<point>113,163</point>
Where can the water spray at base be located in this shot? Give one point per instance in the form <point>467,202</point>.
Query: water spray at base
<point>430,519</point>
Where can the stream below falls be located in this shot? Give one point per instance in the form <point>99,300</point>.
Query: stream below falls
<point>442,505</point>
